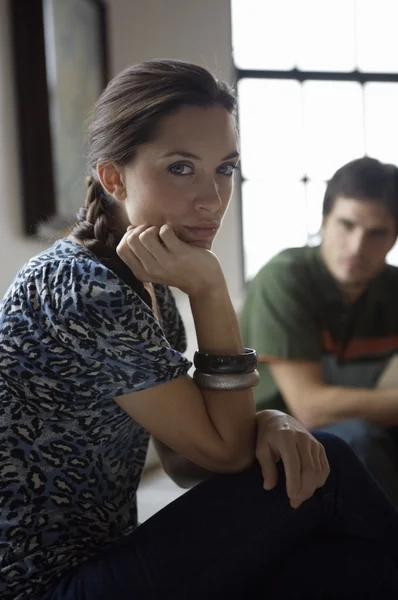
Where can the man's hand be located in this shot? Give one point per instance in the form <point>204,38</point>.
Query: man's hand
<point>281,437</point>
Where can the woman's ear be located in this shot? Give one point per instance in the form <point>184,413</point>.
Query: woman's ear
<point>112,180</point>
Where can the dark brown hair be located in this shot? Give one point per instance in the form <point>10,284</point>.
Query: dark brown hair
<point>364,179</point>
<point>126,116</point>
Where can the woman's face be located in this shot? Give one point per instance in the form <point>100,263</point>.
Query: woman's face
<point>185,176</point>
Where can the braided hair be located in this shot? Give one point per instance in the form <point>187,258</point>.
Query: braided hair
<point>93,229</point>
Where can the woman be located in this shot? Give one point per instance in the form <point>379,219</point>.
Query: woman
<point>92,363</point>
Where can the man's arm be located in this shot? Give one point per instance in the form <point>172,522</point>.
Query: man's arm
<point>316,404</point>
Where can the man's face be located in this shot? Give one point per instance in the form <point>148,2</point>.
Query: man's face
<point>356,237</point>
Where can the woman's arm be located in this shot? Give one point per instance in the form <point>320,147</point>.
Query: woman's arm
<point>182,471</point>
<point>279,437</point>
<point>213,429</point>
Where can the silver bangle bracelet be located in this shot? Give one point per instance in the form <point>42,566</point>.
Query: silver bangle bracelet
<point>238,381</point>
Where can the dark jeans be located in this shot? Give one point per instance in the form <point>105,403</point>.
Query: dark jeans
<point>377,447</point>
<point>229,538</point>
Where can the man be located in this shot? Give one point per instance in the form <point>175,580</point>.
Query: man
<point>324,320</point>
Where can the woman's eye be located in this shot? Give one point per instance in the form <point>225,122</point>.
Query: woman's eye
<point>181,169</point>
<point>227,169</point>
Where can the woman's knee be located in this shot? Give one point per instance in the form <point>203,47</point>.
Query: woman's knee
<point>337,449</point>
<point>358,434</point>
<point>331,441</point>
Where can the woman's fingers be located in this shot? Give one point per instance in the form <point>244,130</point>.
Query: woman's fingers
<point>309,472</point>
<point>314,467</point>
<point>323,459</point>
<point>134,254</point>
<point>267,463</point>
<point>158,242</point>
<point>292,464</point>
<point>304,458</point>
<point>164,258</point>
<point>169,239</point>
<point>317,460</point>
<point>144,241</point>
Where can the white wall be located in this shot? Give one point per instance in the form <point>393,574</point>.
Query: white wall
<point>192,30</point>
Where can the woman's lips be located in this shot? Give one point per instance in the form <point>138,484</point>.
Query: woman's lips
<point>354,264</point>
<point>202,233</point>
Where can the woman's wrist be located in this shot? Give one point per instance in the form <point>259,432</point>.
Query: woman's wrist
<point>216,324</point>
<point>213,284</point>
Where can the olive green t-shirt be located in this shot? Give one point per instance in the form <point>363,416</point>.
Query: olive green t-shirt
<point>295,311</point>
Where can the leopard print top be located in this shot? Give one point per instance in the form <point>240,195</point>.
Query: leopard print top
<point>73,335</point>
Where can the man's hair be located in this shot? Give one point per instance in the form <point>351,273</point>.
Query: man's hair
<point>364,179</point>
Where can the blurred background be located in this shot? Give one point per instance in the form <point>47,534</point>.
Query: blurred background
<point>317,84</point>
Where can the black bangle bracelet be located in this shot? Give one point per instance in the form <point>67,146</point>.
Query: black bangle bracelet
<point>223,364</point>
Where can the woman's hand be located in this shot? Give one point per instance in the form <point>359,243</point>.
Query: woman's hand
<point>281,437</point>
<point>159,256</point>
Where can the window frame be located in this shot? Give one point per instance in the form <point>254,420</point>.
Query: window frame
<point>356,76</point>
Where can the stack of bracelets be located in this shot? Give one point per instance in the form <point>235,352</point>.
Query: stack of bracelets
<point>226,372</point>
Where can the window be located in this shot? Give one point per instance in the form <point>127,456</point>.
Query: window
<point>317,87</point>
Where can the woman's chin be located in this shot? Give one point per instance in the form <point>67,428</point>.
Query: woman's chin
<point>206,244</point>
